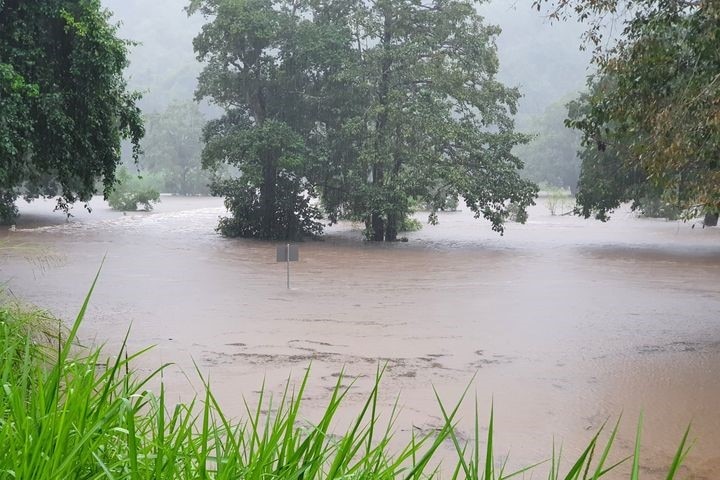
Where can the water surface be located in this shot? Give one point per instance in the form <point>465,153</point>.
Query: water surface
<point>564,322</point>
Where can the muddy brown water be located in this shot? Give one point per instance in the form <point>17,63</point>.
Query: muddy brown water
<point>564,322</point>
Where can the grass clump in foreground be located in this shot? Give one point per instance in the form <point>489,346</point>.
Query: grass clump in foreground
<point>63,417</point>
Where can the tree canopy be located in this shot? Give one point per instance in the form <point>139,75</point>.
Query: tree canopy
<point>65,104</point>
<point>265,64</point>
<point>368,105</point>
<point>655,101</point>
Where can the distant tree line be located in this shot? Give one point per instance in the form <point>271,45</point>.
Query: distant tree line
<point>172,148</point>
<point>552,157</point>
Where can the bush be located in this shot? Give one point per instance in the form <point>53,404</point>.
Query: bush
<point>294,217</point>
<point>132,191</point>
<point>410,224</point>
<point>516,214</point>
<point>557,200</point>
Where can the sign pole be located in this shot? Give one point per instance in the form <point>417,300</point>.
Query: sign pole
<point>288,265</point>
<point>286,253</point>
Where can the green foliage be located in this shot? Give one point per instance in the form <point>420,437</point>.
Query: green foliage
<point>132,191</point>
<point>259,56</point>
<point>431,122</point>
<point>67,105</point>
<point>268,200</point>
<point>369,105</point>
<point>64,415</point>
<point>410,224</point>
<point>172,147</point>
<point>293,217</point>
<point>653,205</point>
<point>607,179</point>
<point>656,101</point>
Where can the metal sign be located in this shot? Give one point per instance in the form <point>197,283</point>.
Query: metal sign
<point>288,253</point>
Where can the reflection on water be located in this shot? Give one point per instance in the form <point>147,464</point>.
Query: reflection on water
<point>565,322</point>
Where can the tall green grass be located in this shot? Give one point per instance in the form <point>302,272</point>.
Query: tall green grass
<point>69,415</point>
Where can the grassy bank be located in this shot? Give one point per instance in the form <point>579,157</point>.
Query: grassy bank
<point>67,413</point>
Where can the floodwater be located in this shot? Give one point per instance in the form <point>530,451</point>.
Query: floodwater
<point>564,322</point>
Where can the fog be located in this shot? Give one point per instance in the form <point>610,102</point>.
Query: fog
<point>542,58</point>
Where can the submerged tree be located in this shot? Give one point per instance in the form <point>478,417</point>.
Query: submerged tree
<point>370,105</point>
<point>655,99</point>
<point>266,62</point>
<point>132,192</point>
<point>435,123</point>
<point>65,106</point>
<point>607,179</point>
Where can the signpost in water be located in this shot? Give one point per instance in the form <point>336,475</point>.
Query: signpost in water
<point>288,253</point>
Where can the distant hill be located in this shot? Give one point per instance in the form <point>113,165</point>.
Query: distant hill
<point>543,59</point>
<point>163,65</point>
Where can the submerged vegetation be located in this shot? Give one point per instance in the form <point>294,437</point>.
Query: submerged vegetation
<point>368,106</point>
<point>558,201</point>
<point>367,111</point>
<point>69,413</point>
<point>133,192</point>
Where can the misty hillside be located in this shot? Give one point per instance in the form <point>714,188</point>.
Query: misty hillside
<point>542,59</point>
<point>163,64</point>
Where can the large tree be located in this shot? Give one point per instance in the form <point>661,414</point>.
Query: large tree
<point>370,104</point>
<point>65,106</point>
<point>655,100</point>
<point>608,179</point>
<point>435,122</point>
<point>269,65</point>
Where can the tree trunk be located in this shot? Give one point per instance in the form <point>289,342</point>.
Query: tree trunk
<point>711,219</point>
<point>267,198</point>
<point>391,232</point>
<point>267,188</point>
<point>377,223</point>
<point>292,228</point>
<point>393,217</point>
<point>378,227</point>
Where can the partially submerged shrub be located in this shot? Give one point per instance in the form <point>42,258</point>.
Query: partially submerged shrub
<point>410,224</point>
<point>132,192</point>
<point>558,201</point>
<point>292,216</point>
